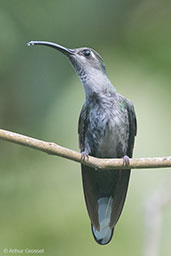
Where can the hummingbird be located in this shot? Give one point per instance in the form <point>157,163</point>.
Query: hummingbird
<point>107,128</point>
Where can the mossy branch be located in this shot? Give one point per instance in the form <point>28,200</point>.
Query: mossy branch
<point>52,148</point>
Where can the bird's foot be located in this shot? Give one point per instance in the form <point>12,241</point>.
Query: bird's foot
<point>84,155</point>
<point>126,160</point>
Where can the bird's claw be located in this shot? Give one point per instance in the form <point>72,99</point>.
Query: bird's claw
<point>84,155</point>
<point>126,161</point>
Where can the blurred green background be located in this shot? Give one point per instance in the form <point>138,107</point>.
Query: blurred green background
<point>41,198</point>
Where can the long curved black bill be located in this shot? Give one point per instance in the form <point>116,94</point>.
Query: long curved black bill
<point>58,47</point>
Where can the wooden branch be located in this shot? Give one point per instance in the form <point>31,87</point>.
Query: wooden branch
<point>97,163</point>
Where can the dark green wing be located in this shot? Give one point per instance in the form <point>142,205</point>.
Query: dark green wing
<point>82,126</point>
<point>132,128</point>
<point>122,176</point>
<point>88,174</point>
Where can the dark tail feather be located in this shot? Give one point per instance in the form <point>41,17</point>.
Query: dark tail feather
<point>105,194</point>
<point>119,196</point>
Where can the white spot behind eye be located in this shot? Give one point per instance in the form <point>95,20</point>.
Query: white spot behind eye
<point>92,54</point>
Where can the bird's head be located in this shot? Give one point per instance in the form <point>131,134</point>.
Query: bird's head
<point>84,60</point>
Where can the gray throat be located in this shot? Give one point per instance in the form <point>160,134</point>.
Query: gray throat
<point>96,82</point>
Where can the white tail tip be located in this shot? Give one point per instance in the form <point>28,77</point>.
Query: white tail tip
<point>104,234</point>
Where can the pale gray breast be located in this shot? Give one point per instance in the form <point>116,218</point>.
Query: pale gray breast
<point>114,141</point>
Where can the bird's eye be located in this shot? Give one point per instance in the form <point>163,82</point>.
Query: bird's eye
<point>86,52</point>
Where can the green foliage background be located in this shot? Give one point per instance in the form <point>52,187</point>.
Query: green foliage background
<point>41,198</point>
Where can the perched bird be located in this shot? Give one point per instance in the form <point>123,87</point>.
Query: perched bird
<point>107,128</point>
